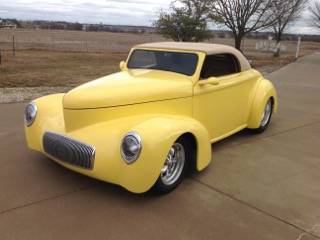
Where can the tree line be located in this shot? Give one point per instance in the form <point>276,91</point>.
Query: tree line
<point>188,20</point>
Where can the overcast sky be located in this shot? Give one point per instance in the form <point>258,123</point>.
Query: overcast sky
<point>124,12</point>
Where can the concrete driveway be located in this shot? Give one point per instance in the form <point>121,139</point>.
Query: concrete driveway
<point>259,187</point>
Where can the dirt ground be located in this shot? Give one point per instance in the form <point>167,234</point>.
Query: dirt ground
<point>34,68</point>
<point>69,58</point>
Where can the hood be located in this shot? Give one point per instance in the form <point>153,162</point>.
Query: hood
<point>129,87</point>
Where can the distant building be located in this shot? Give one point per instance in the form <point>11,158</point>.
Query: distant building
<point>7,25</point>
<point>84,27</point>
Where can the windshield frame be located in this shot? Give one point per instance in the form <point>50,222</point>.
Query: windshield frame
<point>196,66</point>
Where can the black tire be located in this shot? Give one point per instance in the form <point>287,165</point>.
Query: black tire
<point>161,187</point>
<point>265,124</point>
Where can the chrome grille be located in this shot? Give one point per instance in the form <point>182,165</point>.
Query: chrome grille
<point>68,150</point>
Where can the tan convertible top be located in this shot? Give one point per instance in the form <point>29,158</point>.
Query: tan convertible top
<point>207,48</point>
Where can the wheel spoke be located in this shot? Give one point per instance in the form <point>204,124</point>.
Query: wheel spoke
<point>174,164</point>
<point>266,114</point>
<point>164,169</point>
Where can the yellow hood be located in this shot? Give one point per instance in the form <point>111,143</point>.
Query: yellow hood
<point>128,87</point>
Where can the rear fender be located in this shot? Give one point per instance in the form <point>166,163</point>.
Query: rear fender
<point>264,92</point>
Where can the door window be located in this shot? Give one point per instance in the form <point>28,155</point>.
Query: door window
<point>220,65</point>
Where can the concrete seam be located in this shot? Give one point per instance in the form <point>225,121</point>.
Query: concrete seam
<point>275,134</point>
<point>46,199</point>
<point>254,208</point>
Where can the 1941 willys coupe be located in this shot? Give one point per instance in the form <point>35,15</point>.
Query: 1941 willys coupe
<point>142,127</point>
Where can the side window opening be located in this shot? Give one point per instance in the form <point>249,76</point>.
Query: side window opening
<point>220,65</point>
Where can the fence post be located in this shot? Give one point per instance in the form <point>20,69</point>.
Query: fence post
<point>298,48</point>
<point>13,46</point>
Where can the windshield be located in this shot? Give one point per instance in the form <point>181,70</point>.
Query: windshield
<point>184,63</point>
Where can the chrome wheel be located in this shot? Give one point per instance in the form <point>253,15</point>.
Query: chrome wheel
<point>266,114</point>
<point>173,167</point>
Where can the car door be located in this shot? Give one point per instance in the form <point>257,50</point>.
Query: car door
<point>223,108</point>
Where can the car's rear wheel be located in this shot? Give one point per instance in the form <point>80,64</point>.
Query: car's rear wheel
<point>175,166</point>
<point>266,117</point>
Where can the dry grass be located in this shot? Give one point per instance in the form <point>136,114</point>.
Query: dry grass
<point>31,68</point>
<point>67,58</point>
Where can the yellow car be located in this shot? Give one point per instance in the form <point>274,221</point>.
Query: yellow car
<point>143,127</point>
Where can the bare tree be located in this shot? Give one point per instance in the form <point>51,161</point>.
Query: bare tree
<point>285,12</point>
<point>187,22</point>
<point>315,12</point>
<point>196,8</point>
<point>242,16</point>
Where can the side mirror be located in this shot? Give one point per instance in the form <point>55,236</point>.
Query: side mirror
<point>210,81</point>
<point>122,65</point>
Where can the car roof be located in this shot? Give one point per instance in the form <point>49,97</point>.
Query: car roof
<point>207,48</point>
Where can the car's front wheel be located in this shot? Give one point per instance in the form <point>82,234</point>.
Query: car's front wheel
<point>174,167</point>
<point>266,117</point>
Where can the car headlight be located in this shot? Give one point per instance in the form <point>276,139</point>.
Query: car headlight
<point>131,147</point>
<point>30,113</point>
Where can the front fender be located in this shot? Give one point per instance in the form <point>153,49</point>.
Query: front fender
<point>158,135</point>
<point>265,90</point>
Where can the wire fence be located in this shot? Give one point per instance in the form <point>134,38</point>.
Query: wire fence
<point>12,40</point>
<point>77,41</point>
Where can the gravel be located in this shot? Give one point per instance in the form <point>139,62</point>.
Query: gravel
<point>11,95</point>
